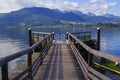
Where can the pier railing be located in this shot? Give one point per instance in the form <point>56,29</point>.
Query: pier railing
<point>87,70</point>
<point>83,35</point>
<point>42,46</point>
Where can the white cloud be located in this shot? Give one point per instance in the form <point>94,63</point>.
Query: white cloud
<point>8,5</point>
<point>99,7</point>
<point>94,1</point>
<point>28,3</point>
<point>59,4</point>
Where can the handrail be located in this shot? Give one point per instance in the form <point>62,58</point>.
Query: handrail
<point>9,58</point>
<point>6,59</point>
<point>83,35</point>
<point>81,32</point>
<point>39,42</point>
<point>47,40</point>
<point>95,52</point>
<point>88,72</point>
<point>86,69</point>
<point>41,32</point>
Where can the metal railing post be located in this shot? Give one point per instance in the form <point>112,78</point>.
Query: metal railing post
<point>4,71</point>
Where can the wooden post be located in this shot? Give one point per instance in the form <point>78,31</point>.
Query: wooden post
<point>98,39</point>
<point>30,36</point>
<point>78,46</point>
<point>103,60</point>
<point>30,55</point>
<point>4,69</point>
<point>42,47</point>
<point>30,65</point>
<point>51,39</point>
<point>46,41</point>
<point>90,59</point>
<point>53,35</point>
<point>67,35</point>
<point>37,36</point>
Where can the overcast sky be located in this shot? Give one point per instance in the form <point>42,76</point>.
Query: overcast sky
<point>98,7</point>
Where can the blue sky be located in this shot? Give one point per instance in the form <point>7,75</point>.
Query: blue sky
<point>98,7</point>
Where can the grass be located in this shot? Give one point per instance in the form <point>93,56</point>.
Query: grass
<point>111,64</point>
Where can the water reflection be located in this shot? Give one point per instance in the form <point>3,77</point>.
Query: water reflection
<point>110,41</point>
<point>16,63</point>
<point>9,46</point>
<point>12,41</point>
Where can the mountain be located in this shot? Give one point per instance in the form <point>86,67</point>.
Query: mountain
<point>37,16</point>
<point>110,16</point>
<point>90,14</point>
<point>79,13</point>
<point>90,17</point>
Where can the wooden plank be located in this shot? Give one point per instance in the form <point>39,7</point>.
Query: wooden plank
<point>59,64</point>
<point>35,32</point>
<point>22,67</point>
<point>92,77</point>
<point>98,74</point>
<point>105,55</point>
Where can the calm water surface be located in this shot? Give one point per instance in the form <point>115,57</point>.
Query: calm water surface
<point>15,39</point>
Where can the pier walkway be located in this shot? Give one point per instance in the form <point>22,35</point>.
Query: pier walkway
<point>59,64</point>
<point>50,60</point>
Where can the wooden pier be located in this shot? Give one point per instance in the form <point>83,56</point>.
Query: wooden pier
<point>50,60</point>
<point>59,64</point>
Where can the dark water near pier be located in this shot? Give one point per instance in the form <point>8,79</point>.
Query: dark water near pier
<point>16,39</point>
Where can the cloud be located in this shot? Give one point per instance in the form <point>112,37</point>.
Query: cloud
<point>59,4</point>
<point>98,7</point>
<point>106,6</point>
<point>28,3</point>
<point>94,1</point>
<point>8,5</point>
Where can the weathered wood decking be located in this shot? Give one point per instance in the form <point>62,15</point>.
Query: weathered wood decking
<point>59,64</point>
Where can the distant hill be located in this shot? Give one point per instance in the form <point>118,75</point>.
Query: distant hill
<point>37,16</point>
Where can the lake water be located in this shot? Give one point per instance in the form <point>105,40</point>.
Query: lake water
<point>15,39</point>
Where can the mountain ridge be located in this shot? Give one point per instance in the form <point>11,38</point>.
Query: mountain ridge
<point>45,16</point>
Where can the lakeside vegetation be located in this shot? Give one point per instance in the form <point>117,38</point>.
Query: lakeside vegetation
<point>111,65</point>
<point>108,66</point>
<point>66,24</point>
